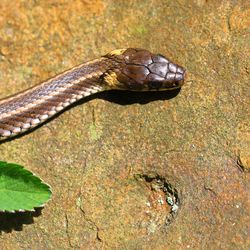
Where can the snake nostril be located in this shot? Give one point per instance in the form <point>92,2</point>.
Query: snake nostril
<point>172,67</point>
<point>180,70</point>
<point>179,77</point>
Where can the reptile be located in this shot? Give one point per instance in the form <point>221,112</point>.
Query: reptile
<point>123,69</point>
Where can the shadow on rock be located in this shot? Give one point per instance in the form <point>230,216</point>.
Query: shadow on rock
<point>15,221</point>
<point>129,97</point>
<point>115,96</point>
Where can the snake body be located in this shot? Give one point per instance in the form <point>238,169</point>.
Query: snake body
<point>124,69</point>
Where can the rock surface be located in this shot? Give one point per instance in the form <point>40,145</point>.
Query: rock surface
<point>128,170</point>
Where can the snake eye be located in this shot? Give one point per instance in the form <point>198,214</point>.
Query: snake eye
<point>155,85</point>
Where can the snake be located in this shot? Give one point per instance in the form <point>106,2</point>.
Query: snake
<point>132,69</point>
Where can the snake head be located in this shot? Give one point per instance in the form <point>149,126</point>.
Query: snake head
<point>141,70</point>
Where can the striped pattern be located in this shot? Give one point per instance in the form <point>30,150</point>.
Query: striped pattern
<point>125,69</point>
<point>33,106</point>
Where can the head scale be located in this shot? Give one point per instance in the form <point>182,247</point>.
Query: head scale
<point>140,70</point>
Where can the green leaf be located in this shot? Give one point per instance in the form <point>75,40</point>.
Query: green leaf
<point>20,190</point>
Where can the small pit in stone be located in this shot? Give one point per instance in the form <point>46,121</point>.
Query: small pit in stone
<point>163,200</point>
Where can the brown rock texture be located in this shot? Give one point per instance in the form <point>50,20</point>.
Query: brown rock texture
<point>134,170</point>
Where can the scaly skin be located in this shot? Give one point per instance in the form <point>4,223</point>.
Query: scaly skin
<point>125,69</point>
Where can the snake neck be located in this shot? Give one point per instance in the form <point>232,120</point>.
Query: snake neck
<point>33,106</point>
